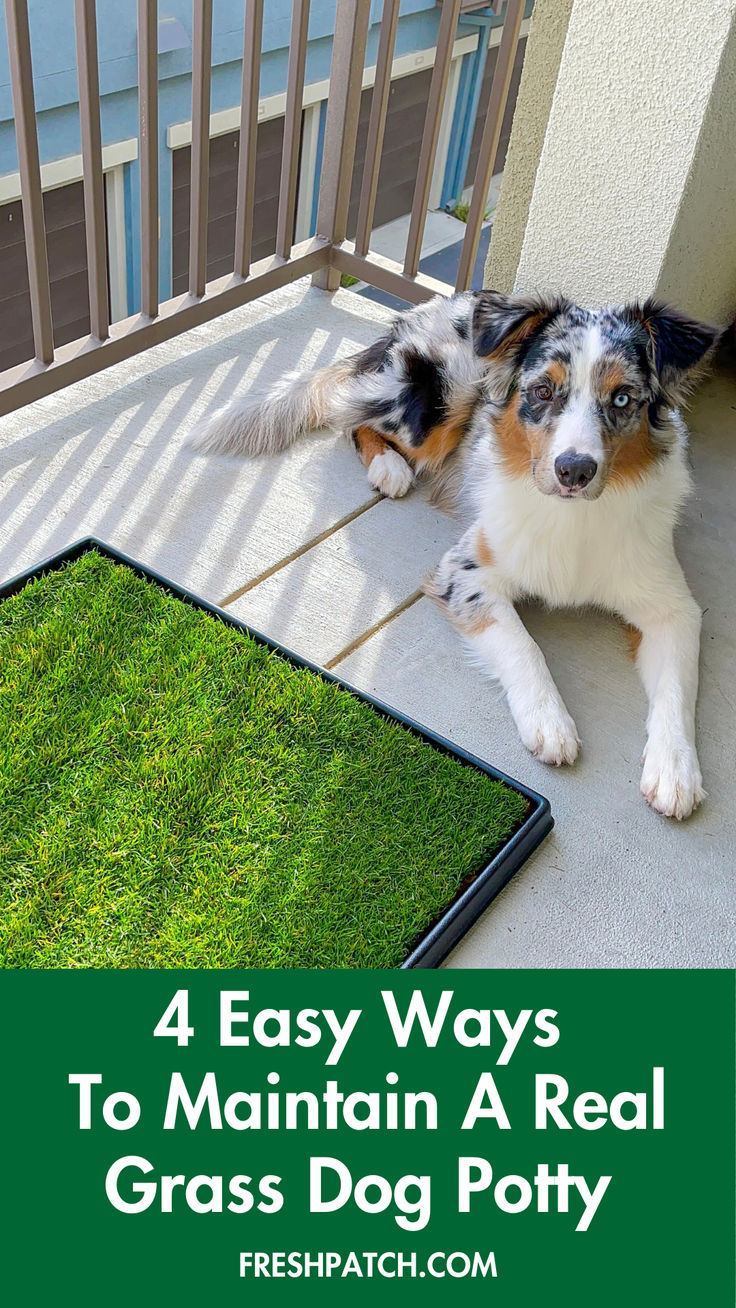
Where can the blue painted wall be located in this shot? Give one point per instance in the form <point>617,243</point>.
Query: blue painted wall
<point>55,81</point>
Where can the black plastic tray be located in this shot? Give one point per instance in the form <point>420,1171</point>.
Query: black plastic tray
<point>437,941</point>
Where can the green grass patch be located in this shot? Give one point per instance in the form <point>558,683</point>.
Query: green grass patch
<point>462,209</point>
<point>173,794</point>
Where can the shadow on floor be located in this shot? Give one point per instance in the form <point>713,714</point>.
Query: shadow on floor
<point>443,265</point>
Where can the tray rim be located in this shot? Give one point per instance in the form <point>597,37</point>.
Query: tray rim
<point>437,941</point>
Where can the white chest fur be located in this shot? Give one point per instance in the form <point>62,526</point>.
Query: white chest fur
<point>604,552</point>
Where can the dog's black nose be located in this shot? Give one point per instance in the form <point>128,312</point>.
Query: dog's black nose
<point>575,469</point>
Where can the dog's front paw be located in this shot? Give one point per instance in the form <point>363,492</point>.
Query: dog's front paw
<point>671,781</point>
<point>390,474</point>
<point>551,735</point>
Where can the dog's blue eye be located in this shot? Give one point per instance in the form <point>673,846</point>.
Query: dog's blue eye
<point>621,399</point>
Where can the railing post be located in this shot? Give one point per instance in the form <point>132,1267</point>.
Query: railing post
<point>24,104</point>
<point>431,134</point>
<point>85,19</point>
<point>500,85</point>
<point>252,39</point>
<point>341,128</point>
<point>200,172</point>
<point>292,128</point>
<point>148,132</point>
<point>376,126</point>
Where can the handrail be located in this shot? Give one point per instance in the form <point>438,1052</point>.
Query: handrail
<point>326,256</point>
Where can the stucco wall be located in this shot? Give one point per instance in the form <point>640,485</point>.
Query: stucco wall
<point>541,65</point>
<point>699,267</point>
<point>635,184</point>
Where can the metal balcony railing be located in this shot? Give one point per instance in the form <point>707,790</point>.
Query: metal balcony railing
<point>325,255</point>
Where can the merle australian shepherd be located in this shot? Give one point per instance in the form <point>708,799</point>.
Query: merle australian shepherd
<point>558,431</point>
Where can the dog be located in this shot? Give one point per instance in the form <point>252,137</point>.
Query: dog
<point>557,430</point>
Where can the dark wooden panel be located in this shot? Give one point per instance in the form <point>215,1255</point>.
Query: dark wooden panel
<point>67,255</point>
<point>68,299</point>
<point>407,105</point>
<point>222,201</point>
<point>63,207</point>
<point>11,225</point>
<point>508,117</point>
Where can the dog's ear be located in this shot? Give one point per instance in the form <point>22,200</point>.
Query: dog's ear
<point>680,347</point>
<point>501,323</point>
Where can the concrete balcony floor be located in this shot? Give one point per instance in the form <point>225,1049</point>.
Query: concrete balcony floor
<point>300,547</point>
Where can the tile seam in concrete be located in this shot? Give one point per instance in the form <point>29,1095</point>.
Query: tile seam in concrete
<point>297,553</point>
<point>372,630</point>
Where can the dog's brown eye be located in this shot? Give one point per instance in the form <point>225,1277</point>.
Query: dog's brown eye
<point>543,392</point>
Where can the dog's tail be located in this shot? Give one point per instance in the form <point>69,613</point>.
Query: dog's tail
<point>270,421</point>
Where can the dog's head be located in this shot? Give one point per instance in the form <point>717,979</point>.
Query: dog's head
<point>584,394</point>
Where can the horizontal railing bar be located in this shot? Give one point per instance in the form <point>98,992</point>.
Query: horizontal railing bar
<point>500,87</point>
<point>376,125</point>
<point>386,275</point>
<point>148,120</point>
<point>246,188</point>
<point>292,127</point>
<point>200,171</point>
<point>24,105</point>
<point>82,358</point>
<point>85,21</point>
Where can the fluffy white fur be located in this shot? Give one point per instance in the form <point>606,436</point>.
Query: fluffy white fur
<point>340,396</point>
<point>615,552</point>
<point>613,547</point>
<point>268,422</point>
<point>390,474</point>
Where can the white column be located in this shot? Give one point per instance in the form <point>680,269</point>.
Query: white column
<point>636,178</point>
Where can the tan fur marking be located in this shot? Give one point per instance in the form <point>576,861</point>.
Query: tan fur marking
<point>557,372</point>
<point>370,443</point>
<point>634,457</point>
<point>471,627</point>
<point>613,377</point>
<point>475,627</point>
<point>440,441</point>
<point>513,441</point>
<point>483,550</point>
<point>633,639</point>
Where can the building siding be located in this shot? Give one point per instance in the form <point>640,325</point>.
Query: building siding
<point>55,83</point>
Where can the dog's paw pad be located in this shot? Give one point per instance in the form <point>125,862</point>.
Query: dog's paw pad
<point>390,474</point>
